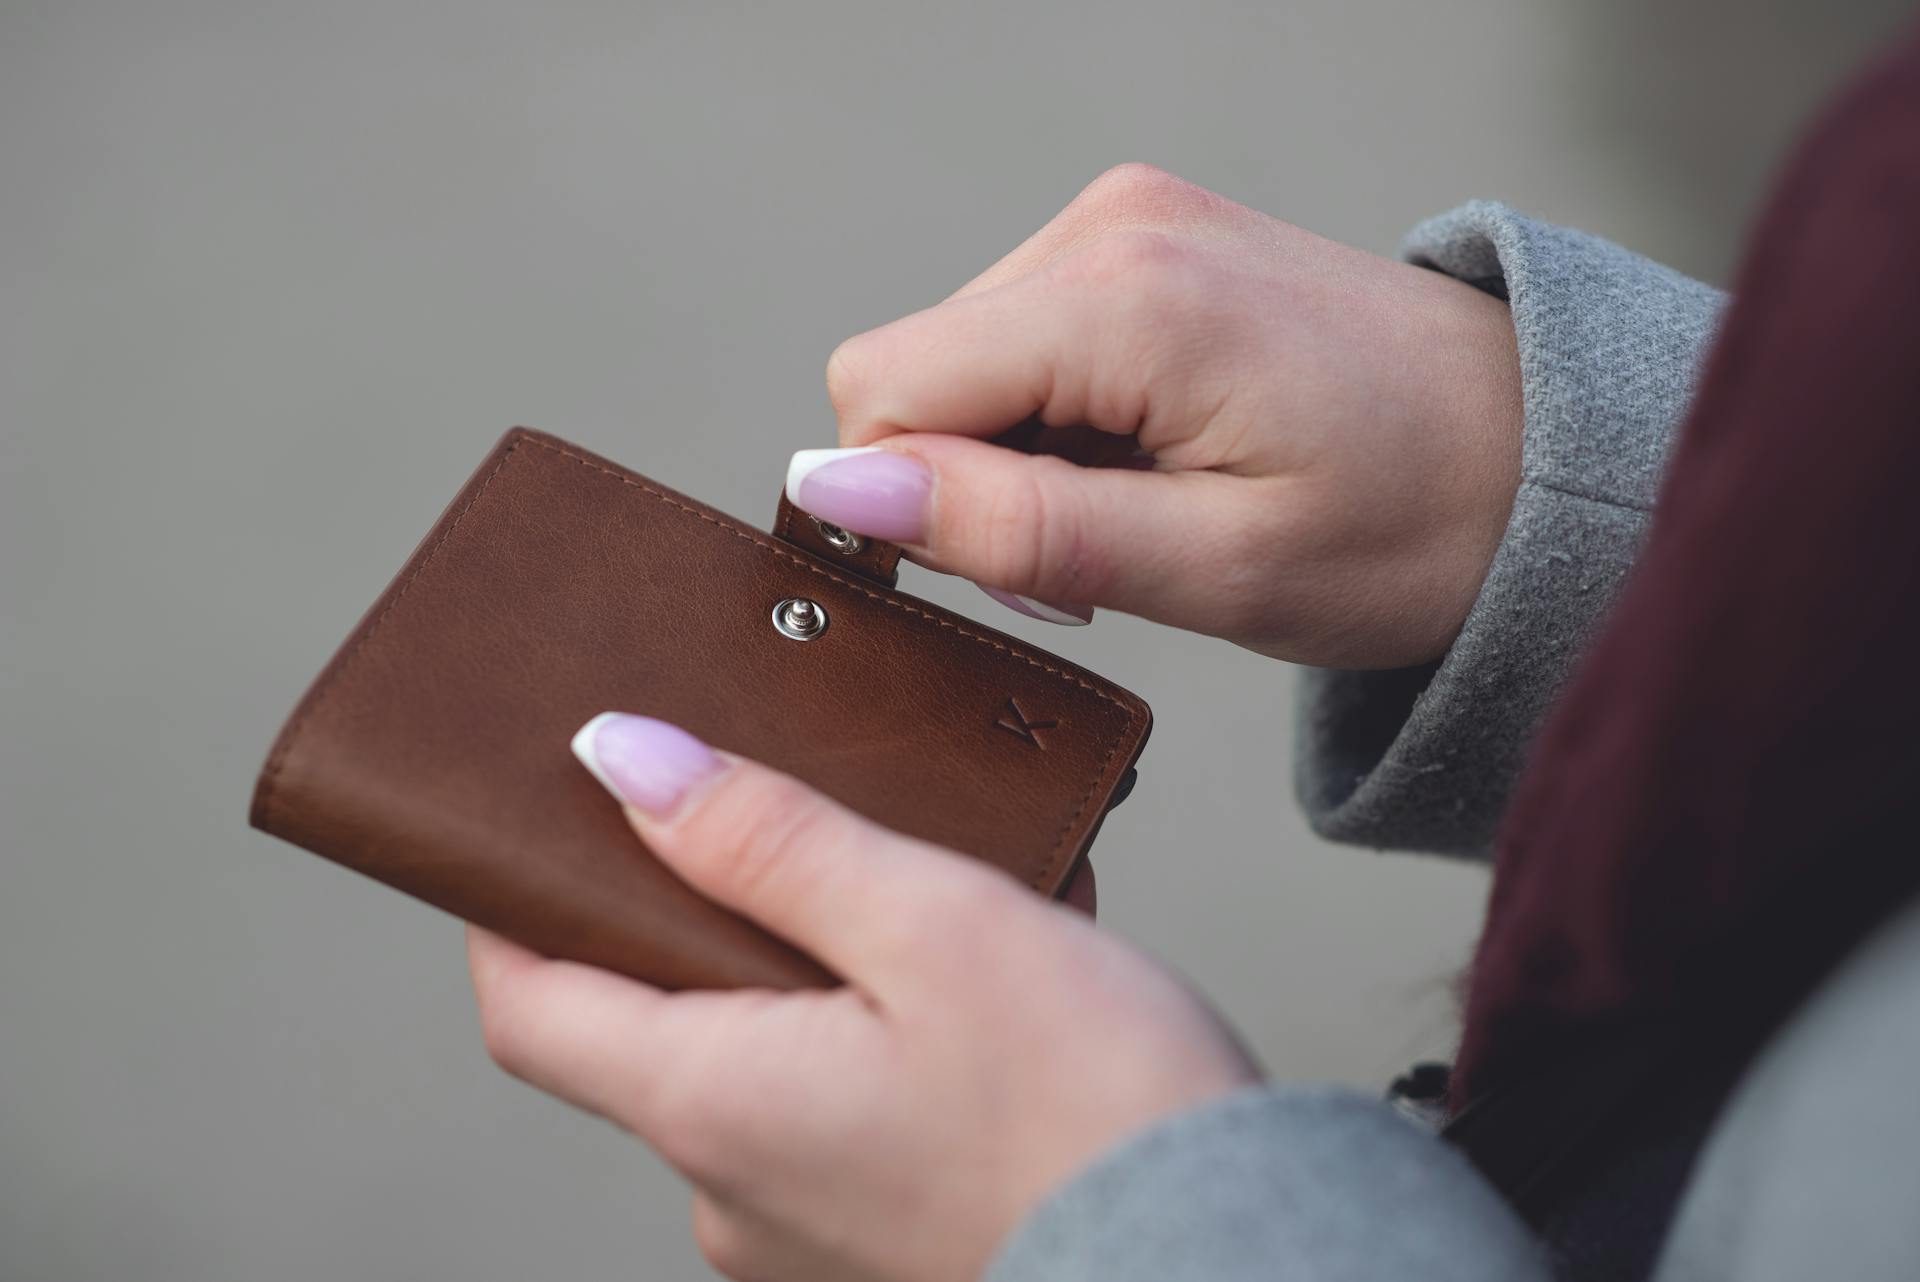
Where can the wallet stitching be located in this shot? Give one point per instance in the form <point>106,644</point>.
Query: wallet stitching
<point>285,748</point>
<point>1052,868</point>
<point>804,564</point>
<point>875,560</point>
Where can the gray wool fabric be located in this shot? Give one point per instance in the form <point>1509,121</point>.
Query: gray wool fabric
<point>1424,759</point>
<point>1290,1184</point>
<point>1813,1171</point>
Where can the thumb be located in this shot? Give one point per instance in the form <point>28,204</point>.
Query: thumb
<point>859,897</point>
<point>1062,536</point>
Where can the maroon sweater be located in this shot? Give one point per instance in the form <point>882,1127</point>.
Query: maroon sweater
<point>1727,797</point>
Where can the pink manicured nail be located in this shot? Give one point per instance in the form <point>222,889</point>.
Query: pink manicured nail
<point>647,764</point>
<point>1072,616</point>
<point>868,490</point>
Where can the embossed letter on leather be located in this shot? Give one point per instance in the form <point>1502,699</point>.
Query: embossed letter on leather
<point>431,753</point>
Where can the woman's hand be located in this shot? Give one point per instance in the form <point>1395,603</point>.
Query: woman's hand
<point>987,1043</point>
<point>1335,437</point>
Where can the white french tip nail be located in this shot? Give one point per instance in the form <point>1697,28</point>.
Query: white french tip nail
<point>1050,614</point>
<point>805,461</point>
<point>584,747</point>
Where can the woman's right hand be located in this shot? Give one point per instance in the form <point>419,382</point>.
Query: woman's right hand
<point>1334,436</point>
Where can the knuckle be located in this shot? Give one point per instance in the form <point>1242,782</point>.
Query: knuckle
<point>1135,189</point>
<point>720,1240</point>
<point>1073,560</point>
<point>846,378</point>
<point>762,829</point>
<point>1057,551</point>
<point>503,1029</point>
<point>1142,194</point>
<point>1005,529</point>
<point>696,1117</point>
<point>684,1137</point>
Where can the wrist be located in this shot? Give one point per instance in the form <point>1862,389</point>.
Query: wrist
<point>1485,422</point>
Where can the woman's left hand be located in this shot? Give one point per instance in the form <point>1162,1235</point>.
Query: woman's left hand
<point>987,1044</point>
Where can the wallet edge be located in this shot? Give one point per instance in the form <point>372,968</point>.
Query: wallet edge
<point>1068,848</point>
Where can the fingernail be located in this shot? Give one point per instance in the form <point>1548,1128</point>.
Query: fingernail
<point>647,764</point>
<point>868,490</point>
<point>1072,616</point>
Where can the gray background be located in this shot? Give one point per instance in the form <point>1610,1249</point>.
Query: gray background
<point>273,275</point>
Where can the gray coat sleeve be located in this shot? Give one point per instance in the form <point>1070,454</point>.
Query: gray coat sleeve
<point>1813,1167</point>
<point>1812,1170</point>
<point>1424,759</point>
<point>1275,1183</point>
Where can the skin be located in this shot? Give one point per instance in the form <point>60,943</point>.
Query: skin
<point>1335,435</point>
<point>1336,446</point>
<point>894,1128</point>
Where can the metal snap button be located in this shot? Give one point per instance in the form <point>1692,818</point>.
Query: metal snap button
<point>845,542</point>
<point>799,618</point>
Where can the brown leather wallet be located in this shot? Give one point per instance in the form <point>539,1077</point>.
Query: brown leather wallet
<point>431,752</point>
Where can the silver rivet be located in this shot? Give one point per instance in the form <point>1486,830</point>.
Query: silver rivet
<point>845,542</point>
<point>799,618</point>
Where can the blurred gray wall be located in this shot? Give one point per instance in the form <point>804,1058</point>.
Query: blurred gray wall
<point>273,275</point>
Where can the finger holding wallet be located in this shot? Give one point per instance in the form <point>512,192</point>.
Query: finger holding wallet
<point>1333,437</point>
<point>987,1044</point>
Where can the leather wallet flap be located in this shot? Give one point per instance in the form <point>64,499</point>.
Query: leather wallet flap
<point>431,753</point>
<point>869,558</point>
